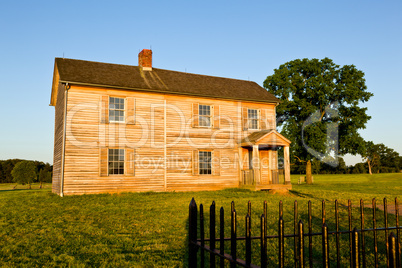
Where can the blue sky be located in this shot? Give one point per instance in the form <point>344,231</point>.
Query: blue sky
<point>236,39</point>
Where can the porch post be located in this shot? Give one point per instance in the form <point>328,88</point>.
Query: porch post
<point>240,165</point>
<point>287,164</point>
<point>256,163</point>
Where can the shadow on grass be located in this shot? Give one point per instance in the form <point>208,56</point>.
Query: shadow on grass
<point>303,195</point>
<point>18,190</point>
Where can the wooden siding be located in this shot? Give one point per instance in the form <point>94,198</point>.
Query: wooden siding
<point>58,139</point>
<point>145,135</point>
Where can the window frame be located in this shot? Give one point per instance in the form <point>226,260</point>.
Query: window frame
<point>251,120</point>
<point>203,168</point>
<point>123,151</point>
<point>201,116</point>
<point>119,110</point>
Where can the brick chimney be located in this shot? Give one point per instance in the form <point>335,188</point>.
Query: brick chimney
<point>145,59</point>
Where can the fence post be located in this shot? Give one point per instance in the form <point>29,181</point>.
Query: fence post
<point>350,232</point>
<point>212,226</point>
<point>386,229</point>
<point>392,251</point>
<point>264,255</point>
<point>374,206</point>
<point>325,246</point>
<point>248,239</point>
<point>355,248</point>
<point>222,236</point>
<point>281,234</point>
<point>363,241</point>
<point>192,234</point>
<point>202,235</point>
<point>301,244</point>
<point>323,211</point>
<point>295,217</point>
<point>398,246</point>
<point>233,239</point>
<point>310,236</point>
<point>338,257</point>
<point>281,242</point>
<point>263,228</point>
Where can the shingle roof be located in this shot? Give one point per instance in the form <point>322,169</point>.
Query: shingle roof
<point>165,81</point>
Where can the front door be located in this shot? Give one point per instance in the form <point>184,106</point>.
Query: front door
<point>264,166</point>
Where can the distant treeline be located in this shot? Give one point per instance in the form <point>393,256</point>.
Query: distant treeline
<point>6,166</point>
<point>381,166</point>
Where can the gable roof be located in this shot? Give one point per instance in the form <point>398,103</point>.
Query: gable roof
<point>158,80</point>
<point>269,136</point>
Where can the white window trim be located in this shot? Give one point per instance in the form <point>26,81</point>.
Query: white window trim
<point>124,163</point>
<point>199,162</point>
<point>210,116</point>
<point>125,110</point>
<point>258,119</point>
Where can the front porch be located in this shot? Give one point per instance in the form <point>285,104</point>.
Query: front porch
<point>259,167</point>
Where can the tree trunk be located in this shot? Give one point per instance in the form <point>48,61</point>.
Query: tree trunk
<point>29,187</point>
<point>369,165</point>
<point>309,177</point>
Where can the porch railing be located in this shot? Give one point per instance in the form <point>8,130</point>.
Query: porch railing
<point>278,176</point>
<point>248,177</point>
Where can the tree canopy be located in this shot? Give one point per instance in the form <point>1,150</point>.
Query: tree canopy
<point>381,158</point>
<point>6,167</point>
<point>24,172</point>
<point>320,108</point>
<point>44,176</point>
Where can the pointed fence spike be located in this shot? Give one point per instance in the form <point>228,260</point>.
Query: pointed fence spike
<point>192,234</point>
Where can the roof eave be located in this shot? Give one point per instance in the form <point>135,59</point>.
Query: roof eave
<point>163,92</point>
<point>55,82</point>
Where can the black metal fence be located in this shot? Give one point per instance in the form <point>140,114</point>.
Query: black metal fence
<point>356,247</point>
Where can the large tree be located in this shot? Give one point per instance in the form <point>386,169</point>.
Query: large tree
<point>381,158</point>
<point>372,155</point>
<point>44,176</point>
<point>7,166</point>
<point>24,172</point>
<point>320,109</point>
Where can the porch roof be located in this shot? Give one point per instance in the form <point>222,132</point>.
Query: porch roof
<point>269,137</point>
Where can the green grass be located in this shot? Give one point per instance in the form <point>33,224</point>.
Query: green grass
<point>40,229</point>
<point>354,187</point>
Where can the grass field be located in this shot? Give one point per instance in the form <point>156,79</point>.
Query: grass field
<point>40,229</point>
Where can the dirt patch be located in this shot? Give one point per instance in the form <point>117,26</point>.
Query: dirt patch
<point>391,209</point>
<point>284,192</point>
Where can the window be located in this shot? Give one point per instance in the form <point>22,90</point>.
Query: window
<point>204,115</point>
<point>252,118</point>
<point>116,161</point>
<point>205,163</point>
<point>116,109</point>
